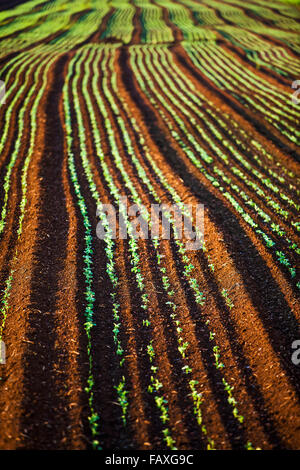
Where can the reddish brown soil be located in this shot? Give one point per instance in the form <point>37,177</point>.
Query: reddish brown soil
<point>44,402</point>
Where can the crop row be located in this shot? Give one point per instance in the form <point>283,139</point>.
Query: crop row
<point>5,306</point>
<point>120,25</point>
<point>220,122</point>
<point>223,71</point>
<point>182,253</point>
<point>159,101</point>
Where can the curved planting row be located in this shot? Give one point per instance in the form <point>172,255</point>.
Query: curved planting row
<point>204,156</point>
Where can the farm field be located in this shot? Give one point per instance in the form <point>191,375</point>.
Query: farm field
<point>126,343</point>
